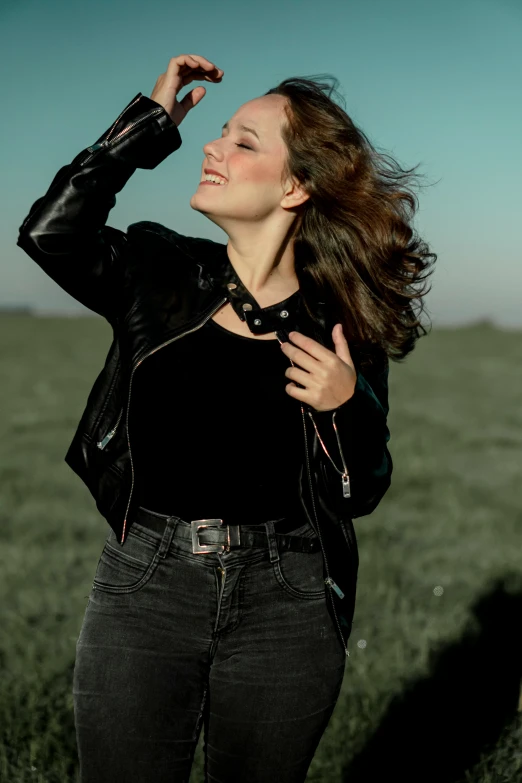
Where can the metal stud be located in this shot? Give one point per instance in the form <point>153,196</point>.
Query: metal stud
<point>231,286</point>
<point>257,321</point>
<point>284,313</point>
<point>246,306</point>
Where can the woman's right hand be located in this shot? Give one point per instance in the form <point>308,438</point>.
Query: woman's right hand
<point>182,70</point>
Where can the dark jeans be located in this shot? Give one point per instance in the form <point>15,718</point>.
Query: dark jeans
<point>240,642</point>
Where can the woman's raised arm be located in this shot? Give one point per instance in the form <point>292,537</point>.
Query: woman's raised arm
<point>65,231</point>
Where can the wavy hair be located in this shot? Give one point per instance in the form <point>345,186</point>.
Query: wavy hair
<point>353,241</point>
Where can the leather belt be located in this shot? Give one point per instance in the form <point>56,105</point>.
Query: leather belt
<point>212,535</point>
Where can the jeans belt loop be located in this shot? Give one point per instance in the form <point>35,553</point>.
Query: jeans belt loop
<point>233,536</point>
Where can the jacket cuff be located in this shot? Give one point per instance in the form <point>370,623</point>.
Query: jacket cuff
<point>142,136</point>
<point>360,422</point>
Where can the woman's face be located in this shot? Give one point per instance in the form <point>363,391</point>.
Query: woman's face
<point>251,165</point>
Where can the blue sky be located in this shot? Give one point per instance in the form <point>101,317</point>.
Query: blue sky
<point>431,83</point>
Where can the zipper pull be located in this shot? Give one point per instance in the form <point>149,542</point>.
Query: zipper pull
<point>330,581</point>
<point>346,485</point>
<point>98,146</point>
<point>102,443</point>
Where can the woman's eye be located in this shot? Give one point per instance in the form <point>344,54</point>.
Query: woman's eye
<point>244,145</point>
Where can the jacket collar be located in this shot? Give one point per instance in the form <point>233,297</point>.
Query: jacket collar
<point>283,317</point>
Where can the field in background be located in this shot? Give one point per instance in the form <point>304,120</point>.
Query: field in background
<point>432,682</point>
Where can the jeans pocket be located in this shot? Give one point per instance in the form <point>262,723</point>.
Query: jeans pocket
<point>301,574</point>
<point>127,568</point>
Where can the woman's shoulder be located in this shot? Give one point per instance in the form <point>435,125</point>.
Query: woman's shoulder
<point>148,231</point>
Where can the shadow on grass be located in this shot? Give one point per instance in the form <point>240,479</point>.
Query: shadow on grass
<point>438,727</point>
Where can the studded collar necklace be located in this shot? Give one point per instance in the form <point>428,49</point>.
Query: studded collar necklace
<point>283,317</point>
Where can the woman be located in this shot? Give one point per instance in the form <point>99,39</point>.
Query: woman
<point>251,380</point>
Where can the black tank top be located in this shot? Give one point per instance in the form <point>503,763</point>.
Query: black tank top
<point>213,432</point>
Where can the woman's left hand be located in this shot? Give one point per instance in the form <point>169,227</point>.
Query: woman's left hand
<point>329,378</point>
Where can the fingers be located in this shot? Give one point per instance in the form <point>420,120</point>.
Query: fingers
<point>304,360</point>
<point>207,65</point>
<point>195,62</point>
<point>301,345</point>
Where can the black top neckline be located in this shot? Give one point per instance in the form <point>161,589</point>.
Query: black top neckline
<point>211,322</point>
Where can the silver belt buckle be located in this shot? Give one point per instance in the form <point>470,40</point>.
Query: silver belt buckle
<point>233,537</point>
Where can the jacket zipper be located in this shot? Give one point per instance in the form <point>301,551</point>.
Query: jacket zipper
<point>109,142</point>
<point>103,442</point>
<point>221,302</point>
<point>151,113</point>
<point>328,581</point>
<point>345,476</point>
<point>116,121</point>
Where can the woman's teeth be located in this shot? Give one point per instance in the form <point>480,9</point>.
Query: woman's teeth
<point>214,179</point>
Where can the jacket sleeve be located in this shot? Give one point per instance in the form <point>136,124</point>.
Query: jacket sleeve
<point>65,231</point>
<point>363,435</point>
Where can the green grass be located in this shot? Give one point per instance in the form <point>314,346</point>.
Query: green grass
<point>432,682</point>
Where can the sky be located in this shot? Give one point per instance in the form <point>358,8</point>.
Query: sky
<point>434,84</point>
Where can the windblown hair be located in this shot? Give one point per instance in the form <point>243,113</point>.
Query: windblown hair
<point>353,243</point>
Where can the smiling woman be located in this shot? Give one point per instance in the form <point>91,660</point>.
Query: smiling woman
<point>230,469</point>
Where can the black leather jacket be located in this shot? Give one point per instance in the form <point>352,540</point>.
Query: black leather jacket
<point>154,285</point>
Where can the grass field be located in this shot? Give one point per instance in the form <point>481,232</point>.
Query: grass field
<point>433,679</point>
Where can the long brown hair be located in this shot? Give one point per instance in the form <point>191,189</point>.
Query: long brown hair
<point>354,243</point>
